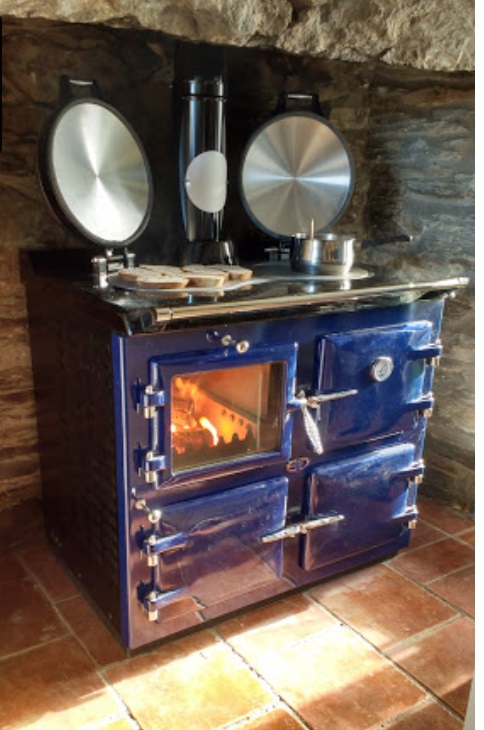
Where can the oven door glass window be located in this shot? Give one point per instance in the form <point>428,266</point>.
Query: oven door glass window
<point>226,414</point>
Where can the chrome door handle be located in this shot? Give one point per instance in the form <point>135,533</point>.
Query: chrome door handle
<point>301,528</point>
<point>313,401</point>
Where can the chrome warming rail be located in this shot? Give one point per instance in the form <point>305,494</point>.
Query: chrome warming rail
<point>446,286</point>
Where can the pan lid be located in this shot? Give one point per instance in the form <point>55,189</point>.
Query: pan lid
<point>98,172</point>
<point>296,168</point>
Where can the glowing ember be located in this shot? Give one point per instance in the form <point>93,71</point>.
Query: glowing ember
<point>205,423</point>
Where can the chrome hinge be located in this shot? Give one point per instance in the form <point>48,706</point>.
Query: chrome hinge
<point>301,528</point>
<point>152,463</point>
<point>430,354</point>
<point>422,407</point>
<point>148,399</point>
<point>152,599</point>
<point>152,544</point>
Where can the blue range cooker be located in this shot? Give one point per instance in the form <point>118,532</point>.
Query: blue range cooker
<point>203,452</point>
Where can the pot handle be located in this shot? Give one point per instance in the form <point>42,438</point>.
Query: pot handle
<point>316,107</point>
<point>69,89</point>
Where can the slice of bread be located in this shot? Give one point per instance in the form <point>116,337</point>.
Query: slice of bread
<point>163,269</point>
<point>205,270</point>
<point>145,279</point>
<point>236,272</point>
<point>205,279</point>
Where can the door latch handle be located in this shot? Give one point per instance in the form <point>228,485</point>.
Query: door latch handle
<point>304,402</point>
<point>301,528</point>
<point>315,400</point>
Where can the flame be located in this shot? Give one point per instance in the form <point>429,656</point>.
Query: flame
<point>205,423</point>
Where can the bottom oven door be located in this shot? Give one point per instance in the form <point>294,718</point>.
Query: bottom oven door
<point>373,496</point>
<point>209,549</point>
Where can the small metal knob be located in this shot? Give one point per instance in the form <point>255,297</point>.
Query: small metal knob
<point>154,515</point>
<point>242,346</point>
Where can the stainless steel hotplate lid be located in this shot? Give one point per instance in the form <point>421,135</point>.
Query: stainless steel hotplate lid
<point>98,173</point>
<point>296,168</point>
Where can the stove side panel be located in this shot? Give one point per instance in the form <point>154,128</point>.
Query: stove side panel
<point>73,380</point>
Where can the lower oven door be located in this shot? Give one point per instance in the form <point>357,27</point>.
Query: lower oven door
<point>218,410</point>
<point>371,498</point>
<point>209,550</point>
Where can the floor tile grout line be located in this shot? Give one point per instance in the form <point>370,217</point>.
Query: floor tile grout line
<point>391,564</point>
<point>424,634</point>
<point>260,713</point>
<point>419,548</point>
<point>419,705</point>
<point>34,647</point>
<point>452,573</point>
<point>281,702</point>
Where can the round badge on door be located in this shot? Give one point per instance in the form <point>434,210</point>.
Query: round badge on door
<point>381,369</point>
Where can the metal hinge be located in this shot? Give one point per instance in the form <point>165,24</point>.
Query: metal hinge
<point>152,598</point>
<point>152,544</point>
<point>151,464</point>
<point>147,399</point>
<point>430,354</point>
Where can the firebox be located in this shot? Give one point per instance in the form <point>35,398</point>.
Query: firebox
<point>225,414</point>
<point>203,454</point>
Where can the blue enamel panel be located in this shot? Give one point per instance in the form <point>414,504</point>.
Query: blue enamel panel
<point>375,495</point>
<point>379,407</point>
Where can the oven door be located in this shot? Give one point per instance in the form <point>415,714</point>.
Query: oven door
<point>367,500</point>
<point>388,373</point>
<point>203,552</point>
<point>219,411</point>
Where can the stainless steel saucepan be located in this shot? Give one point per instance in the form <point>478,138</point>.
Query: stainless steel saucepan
<point>330,253</point>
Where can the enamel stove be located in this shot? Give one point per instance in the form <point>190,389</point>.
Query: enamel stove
<point>203,452</point>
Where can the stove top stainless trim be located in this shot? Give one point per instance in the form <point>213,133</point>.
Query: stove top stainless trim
<point>413,289</point>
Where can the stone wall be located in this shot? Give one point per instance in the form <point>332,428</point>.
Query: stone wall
<point>426,34</point>
<point>411,136</point>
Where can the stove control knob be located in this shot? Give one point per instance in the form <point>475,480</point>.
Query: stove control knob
<point>381,369</point>
<point>154,516</point>
<point>242,346</point>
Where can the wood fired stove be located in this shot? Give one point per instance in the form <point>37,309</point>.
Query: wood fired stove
<point>204,453</point>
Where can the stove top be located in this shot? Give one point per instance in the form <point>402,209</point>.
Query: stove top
<point>274,288</point>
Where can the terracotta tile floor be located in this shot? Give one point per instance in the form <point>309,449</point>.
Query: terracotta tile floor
<point>388,646</point>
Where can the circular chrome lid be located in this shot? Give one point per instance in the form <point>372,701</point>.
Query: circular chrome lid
<point>296,169</point>
<point>99,173</point>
